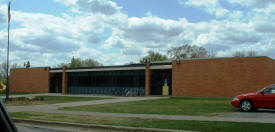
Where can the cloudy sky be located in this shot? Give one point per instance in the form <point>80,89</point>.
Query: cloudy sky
<point>114,32</point>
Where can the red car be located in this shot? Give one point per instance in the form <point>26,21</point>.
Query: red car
<point>264,98</point>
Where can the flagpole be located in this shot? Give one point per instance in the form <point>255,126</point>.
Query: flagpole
<point>8,53</point>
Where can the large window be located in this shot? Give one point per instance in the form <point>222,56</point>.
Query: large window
<point>107,79</point>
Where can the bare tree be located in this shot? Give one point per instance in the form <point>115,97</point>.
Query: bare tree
<point>187,51</point>
<point>239,54</point>
<point>3,69</point>
<point>14,66</point>
<point>252,53</point>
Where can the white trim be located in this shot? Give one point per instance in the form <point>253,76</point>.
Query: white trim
<point>107,69</point>
<point>114,69</point>
<point>161,67</point>
<point>56,71</point>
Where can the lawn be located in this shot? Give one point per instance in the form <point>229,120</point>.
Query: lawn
<point>53,100</point>
<point>168,106</point>
<point>204,126</point>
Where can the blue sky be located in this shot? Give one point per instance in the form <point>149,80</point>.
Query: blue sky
<point>116,32</point>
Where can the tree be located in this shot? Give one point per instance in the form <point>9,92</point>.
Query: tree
<point>3,69</point>
<point>63,64</point>
<point>14,66</point>
<point>90,63</point>
<point>187,51</point>
<point>245,54</point>
<point>77,62</point>
<point>239,54</point>
<point>251,53</point>
<point>153,57</point>
<point>27,65</point>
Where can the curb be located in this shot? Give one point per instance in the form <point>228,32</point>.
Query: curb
<point>105,127</point>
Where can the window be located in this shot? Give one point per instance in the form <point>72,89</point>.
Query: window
<point>269,90</point>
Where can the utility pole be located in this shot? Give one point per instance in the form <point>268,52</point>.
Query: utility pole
<point>8,53</point>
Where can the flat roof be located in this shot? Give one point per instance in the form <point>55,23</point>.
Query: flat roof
<point>138,66</point>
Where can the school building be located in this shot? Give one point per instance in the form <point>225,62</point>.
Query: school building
<point>215,77</point>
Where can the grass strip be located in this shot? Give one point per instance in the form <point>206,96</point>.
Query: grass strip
<point>204,126</point>
<point>170,106</point>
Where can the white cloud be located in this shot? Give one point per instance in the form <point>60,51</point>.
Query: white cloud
<point>253,3</point>
<point>66,2</point>
<point>112,37</point>
<point>210,6</point>
<point>106,7</point>
<point>151,29</point>
<point>115,42</point>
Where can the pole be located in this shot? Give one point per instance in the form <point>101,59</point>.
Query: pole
<point>8,53</point>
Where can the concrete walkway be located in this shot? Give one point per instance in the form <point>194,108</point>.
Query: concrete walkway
<point>59,94</point>
<point>53,108</point>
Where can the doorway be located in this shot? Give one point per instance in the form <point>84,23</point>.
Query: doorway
<point>160,78</point>
<point>56,83</point>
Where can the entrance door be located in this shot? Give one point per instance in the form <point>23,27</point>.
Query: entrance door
<point>56,83</point>
<point>160,78</point>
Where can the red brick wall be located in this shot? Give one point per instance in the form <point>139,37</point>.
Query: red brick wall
<point>272,71</point>
<point>221,76</point>
<point>35,80</point>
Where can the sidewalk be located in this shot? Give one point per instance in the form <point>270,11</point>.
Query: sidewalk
<point>59,94</point>
<point>54,107</point>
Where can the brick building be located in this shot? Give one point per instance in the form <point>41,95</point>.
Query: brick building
<point>195,77</point>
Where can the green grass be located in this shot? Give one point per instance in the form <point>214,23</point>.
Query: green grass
<point>169,106</point>
<point>204,126</point>
<point>54,100</point>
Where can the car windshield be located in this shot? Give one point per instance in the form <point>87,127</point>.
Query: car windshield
<point>261,90</point>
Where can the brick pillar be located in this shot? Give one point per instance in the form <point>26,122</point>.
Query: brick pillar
<point>64,80</point>
<point>49,78</point>
<point>174,77</point>
<point>147,79</point>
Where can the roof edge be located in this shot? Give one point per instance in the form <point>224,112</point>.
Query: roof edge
<point>226,58</point>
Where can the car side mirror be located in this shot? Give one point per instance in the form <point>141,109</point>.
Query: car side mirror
<point>262,92</point>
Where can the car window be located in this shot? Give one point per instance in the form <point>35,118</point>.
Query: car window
<point>270,90</point>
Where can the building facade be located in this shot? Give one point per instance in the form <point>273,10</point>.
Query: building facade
<point>217,77</point>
